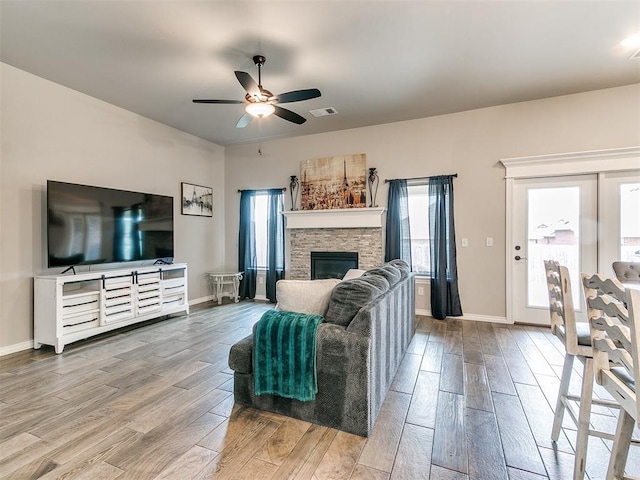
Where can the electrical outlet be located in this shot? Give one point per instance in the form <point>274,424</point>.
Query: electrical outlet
<point>489,241</point>
<point>420,290</point>
<point>465,242</point>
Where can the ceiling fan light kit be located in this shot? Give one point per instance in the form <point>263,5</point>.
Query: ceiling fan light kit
<point>260,110</point>
<point>261,103</point>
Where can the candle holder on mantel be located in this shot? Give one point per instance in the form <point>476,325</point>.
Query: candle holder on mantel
<point>294,188</point>
<point>374,180</point>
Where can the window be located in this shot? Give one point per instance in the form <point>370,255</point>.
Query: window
<point>260,218</point>
<point>261,240</point>
<point>418,198</point>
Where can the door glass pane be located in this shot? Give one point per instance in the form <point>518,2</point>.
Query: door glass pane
<point>630,222</point>
<point>553,233</point>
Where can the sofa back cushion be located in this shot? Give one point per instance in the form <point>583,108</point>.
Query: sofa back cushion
<point>377,281</point>
<point>350,295</point>
<point>389,272</point>
<point>401,265</point>
<point>305,296</point>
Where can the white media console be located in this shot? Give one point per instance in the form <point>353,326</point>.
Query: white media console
<point>68,308</point>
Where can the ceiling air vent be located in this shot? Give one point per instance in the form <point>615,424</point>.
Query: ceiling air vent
<point>323,112</point>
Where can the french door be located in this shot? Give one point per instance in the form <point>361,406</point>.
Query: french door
<point>553,218</point>
<point>580,208</point>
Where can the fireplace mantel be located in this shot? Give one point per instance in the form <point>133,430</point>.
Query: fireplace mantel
<point>370,217</point>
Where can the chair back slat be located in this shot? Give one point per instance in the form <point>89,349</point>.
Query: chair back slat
<point>618,356</point>
<point>615,331</point>
<point>609,286</point>
<point>561,312</point>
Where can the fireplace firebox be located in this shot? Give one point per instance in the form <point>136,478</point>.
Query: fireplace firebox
<point>332,264</point>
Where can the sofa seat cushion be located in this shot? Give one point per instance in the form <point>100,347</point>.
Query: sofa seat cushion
<point>305,296</point>
<point>241,355</point>
<point>349,296</point>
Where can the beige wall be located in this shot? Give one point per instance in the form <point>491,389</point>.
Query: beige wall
<point>51,132</point>
<point>468,143</point>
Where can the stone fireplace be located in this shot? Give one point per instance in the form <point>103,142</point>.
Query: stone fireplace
<point>355,230</point>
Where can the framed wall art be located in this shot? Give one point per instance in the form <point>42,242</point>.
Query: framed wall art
<point>334,182</point>
<point>197,200</point>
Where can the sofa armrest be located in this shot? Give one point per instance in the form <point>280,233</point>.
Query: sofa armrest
<point>241,355</point>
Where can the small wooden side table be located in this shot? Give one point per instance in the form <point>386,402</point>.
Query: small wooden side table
<point>225,284</point>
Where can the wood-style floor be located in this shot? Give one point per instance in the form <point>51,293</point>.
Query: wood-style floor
<point>470,401</point>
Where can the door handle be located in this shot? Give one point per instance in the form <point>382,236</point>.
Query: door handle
<point>518,257</point>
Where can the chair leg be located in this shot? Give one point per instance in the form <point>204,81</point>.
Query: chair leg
<point>562,394</point>
<point>584,417</point>
<point>621,444</point>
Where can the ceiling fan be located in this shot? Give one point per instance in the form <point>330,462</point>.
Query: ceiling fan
<point>260,102</point>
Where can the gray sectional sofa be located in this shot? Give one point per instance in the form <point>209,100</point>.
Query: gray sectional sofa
<point>368,326</point>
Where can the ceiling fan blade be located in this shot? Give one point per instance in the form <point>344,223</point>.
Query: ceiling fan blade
<point>244,120</point>
<point>289,115</point>
<point>231,102</point>
<point>248,83</point>
<point>298,95</point>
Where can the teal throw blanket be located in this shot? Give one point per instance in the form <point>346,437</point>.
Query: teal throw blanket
<point>284,359</point>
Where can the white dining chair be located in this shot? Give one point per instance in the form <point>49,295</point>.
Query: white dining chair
<point>614,315</point>
<point>576,338</point>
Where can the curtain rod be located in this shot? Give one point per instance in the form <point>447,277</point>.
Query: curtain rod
<point>284,189</point>
<point>420,178</point>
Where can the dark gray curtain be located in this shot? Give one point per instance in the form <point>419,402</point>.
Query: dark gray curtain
<point>398,234</point>
<point>275,242</point>
<point>445,299</point>
<point>247,260</point>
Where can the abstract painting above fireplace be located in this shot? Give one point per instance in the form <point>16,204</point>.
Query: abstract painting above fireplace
<point>332,264</point>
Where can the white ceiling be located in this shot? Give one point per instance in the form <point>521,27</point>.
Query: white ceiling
<point>374,61</point>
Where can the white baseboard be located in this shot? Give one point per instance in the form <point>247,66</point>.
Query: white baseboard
<point>18,347</point>
<point>485,318</point>
<point>196,301</point>
<point>209,298</point>
<point>469,316</point>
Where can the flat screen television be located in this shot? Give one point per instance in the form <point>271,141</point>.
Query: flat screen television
<point>88,225</point>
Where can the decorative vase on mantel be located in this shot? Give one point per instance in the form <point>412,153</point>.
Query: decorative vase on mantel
<point>373,180</point>
<point>294,189</point>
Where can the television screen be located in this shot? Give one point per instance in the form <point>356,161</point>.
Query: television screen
<point>88,225</point>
